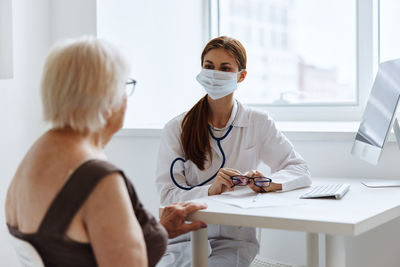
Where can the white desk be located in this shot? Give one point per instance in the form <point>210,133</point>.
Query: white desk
<point>359,211</point>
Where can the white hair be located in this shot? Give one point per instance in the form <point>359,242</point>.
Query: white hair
<point>83,80</point>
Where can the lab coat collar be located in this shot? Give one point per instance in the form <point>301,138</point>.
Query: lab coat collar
<point>233,114</point>
<point>242,118</point>
<point>231,120</point>
<point>239,116</point>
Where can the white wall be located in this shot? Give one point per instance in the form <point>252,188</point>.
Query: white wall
<point>136,155</point>
<point>72,18</point>
<point>35,26</point>
<point>162,41</point>
<point>19,101</point>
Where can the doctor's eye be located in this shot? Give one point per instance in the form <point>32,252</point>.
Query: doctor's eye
<point>209,67</point>
<point>226,69</point>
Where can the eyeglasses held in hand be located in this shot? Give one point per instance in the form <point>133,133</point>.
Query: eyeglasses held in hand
<point>259,181</point>
<point>130,86</point>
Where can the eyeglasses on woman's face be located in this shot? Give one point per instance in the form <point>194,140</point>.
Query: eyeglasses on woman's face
<point>130,86</point>
<point>259,181</point>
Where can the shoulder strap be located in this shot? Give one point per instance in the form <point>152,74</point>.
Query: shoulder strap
<point>73,194</point>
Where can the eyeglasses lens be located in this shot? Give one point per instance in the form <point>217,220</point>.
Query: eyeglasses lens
<point>264,182</point>
<point>240,180</point>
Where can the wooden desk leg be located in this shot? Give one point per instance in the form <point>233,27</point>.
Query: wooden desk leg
<point>199,248</point>
<point>335,251</point>
<point>312,250</point>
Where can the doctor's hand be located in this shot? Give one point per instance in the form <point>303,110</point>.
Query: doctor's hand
<point>271,188</point>
<point>223,181</point>
<point>174,216</point>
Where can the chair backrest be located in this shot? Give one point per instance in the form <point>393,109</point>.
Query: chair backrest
<point>27,254</point>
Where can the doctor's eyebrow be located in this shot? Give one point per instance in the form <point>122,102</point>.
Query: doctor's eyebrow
<point>225,63</point>
<point>208,61</point>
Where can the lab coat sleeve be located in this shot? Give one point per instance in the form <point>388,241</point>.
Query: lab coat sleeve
<point>287,166</point>
<point>170,149</point>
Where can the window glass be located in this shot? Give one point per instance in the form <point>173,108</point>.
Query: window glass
<point>299,51</point>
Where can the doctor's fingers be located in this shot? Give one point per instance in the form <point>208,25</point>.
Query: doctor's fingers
<point>221,183</point>
<point>257,173</point>
<point>255,188</point>
<point>229,172</point>
<point>250,173</point>
<point>254,173</point>
<point>224,177</point>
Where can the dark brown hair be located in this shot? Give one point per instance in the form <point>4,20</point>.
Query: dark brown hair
<point>195,136</point>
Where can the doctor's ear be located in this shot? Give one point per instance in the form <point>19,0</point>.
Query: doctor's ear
<point>242,76</point>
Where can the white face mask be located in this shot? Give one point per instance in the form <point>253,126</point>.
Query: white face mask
<point>217,83</point>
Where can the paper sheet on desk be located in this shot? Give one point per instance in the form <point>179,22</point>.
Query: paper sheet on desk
<point>246,199</point>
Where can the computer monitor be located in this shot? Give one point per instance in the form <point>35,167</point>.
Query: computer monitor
<point>379,116</point>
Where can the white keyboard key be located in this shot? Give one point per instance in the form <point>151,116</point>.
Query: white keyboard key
<point>328,190</point>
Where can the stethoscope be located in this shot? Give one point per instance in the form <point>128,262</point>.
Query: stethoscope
<point>218,139</point>
<point>212,177</point>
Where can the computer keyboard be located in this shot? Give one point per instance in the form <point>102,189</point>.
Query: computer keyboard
<point>328,190</point>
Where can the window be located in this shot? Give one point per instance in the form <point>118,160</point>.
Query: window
<point>299,51</point>
<point>307,59</point>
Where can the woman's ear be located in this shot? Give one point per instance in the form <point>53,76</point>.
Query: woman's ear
<point>109,112</point>
<point>107,115</point>
<point>242,76</point>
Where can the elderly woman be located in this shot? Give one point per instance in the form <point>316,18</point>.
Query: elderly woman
<point>66,199</point>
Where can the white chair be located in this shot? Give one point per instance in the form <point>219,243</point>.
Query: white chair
<point>27,254</point>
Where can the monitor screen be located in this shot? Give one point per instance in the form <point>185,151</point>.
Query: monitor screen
<point>379,112</point>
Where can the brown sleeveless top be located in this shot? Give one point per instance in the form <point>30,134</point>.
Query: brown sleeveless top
<point>56,249</point>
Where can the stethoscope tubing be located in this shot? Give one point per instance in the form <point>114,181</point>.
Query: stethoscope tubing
<point>212,177</point>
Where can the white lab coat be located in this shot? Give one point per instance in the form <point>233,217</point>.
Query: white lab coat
<point>254,139</point>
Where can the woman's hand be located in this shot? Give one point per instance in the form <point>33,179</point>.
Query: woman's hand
<point>174,216</point>
<point>271,188</point>
<point>223,181</point>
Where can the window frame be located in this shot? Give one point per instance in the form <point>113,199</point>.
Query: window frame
<point>367,60</point>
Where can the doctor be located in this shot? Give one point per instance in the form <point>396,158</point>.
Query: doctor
<point>219,138</point>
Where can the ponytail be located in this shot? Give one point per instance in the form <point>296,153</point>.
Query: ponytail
<point>195,136</point>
